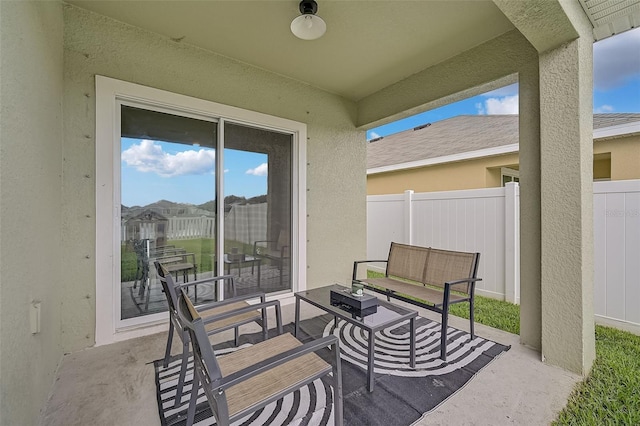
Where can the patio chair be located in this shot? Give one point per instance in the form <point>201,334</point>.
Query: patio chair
<point>278,251</point>
<point>246,380</point>
<point>217,316</point>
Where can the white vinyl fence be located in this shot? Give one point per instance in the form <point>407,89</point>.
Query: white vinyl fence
<point>186,228</point>
<point>487,221</point>
<point>244,223</point>
<point>616,218</point>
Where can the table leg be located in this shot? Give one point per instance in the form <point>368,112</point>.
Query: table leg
<point>370,369</point>
<point>297,320</point>
<point>412,344</point>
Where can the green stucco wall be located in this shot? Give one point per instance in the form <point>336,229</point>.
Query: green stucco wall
<point>93,44</point>
<point>31,87</point>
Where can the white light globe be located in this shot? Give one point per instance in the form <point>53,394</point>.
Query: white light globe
<point>308,27</point>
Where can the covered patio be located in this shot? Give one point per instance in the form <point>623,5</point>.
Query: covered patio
<point>115,384</point>
<point>60,339</point>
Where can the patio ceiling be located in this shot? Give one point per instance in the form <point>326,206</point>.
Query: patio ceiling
<point>367,47</point>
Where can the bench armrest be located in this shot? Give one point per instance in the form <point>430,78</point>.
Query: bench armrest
<point>464,280</point>
<point>357,262</point>
<point>274,361</point>
<point>449,284</point>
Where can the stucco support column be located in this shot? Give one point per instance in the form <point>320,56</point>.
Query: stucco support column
<point>566,183</point>
<point>530,281</point>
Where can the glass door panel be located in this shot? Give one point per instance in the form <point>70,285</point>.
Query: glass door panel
<point>257,208</point>
<point>168,206</point>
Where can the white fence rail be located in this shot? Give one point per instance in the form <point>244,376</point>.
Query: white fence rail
<point>243,223</point>
<point>487,221</point>
<point>616,217</point>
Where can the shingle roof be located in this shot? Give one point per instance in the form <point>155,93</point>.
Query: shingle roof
<point>614,119</point>
<point>460,134</point>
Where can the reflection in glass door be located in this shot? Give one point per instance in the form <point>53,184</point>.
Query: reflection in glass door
<point>257,208</point>
<point>168,205</point>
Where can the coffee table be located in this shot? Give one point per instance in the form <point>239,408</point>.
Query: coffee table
<point>387,314</point>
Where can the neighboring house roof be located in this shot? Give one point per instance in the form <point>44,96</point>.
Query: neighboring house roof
<point>470,136</point>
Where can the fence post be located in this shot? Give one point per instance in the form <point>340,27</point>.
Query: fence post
<point>407,219</point>
<point>511,260</point>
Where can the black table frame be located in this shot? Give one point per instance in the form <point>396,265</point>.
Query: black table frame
<point>320,298</point>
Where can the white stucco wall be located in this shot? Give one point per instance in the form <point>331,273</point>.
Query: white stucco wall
<point>31,87</point>
<point>336,223</point>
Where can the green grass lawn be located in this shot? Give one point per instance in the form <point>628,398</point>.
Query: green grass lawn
<point>610,395</point>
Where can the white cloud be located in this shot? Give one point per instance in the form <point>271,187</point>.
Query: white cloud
<point>261,170</point>
<point>616,60</point>
<point>373,135</point>
<point>603,108</point>
<point>503,105</point>
<point>148,157</point>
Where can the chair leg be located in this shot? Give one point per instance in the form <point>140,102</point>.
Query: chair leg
<point>183,373</point>
<point>191,412</point>
<point>167,351</point>
<point>265,328</point>
<point>236,336</point>
<point>279,319</point>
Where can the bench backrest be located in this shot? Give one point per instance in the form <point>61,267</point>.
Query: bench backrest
<point>431,266</point>
<point>446,265</point>
<point>406,261</point>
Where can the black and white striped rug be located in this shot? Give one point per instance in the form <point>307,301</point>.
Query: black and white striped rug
<point>402,395</point>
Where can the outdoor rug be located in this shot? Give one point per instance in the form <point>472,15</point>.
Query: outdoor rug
<point>402,395</point>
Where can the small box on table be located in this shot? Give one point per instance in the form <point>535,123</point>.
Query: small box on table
<point>358,305</point>
<point>236,257</point>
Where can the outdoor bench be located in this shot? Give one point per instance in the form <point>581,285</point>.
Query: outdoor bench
<point>429,278</point>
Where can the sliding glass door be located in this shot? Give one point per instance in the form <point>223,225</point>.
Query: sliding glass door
<point>169,184</point>
<point>257,206</point>
<point>168,204</point>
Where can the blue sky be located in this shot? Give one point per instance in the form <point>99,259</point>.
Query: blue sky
<point>616,88</point>
<point>153,170</point>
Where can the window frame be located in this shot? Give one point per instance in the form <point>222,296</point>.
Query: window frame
<point>110,93</point>
<point>512,173</point>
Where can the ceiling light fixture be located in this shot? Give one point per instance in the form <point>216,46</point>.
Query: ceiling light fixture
<point>308,26</point>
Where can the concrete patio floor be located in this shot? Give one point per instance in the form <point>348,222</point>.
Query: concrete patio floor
<point>114,384</point>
